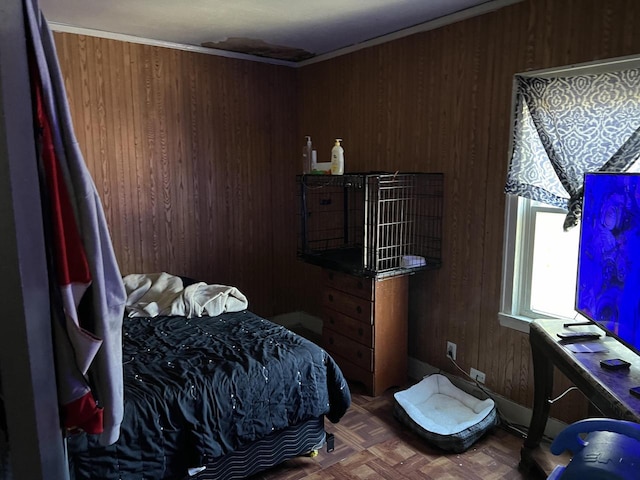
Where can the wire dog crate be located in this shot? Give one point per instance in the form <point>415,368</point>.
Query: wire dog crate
<point>371,224</point>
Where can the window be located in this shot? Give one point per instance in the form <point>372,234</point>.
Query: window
<point>540,258</point>
<point>552,265</point>
<point>541,261</point>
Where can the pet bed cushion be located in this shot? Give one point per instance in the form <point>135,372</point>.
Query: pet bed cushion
<point>443,414</point>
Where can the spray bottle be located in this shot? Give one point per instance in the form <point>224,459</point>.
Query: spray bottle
<point>337,158</point>
<point>306,156</point>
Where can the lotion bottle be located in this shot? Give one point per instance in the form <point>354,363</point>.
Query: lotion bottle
<point>306,156</point>
<point>337,158</point>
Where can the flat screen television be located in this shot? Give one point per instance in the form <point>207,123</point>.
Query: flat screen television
<point>608,282</point>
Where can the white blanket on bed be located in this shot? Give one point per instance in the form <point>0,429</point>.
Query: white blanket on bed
<point>150,295</point>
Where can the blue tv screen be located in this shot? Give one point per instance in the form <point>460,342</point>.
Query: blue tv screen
<point>608,283</point>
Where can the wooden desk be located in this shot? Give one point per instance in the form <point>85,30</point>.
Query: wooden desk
<point>607,390</point>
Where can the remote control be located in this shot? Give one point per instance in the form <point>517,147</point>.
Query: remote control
<point>578,336</point>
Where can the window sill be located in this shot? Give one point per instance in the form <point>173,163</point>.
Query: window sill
<point>516,322</point>
<point>521,323</point>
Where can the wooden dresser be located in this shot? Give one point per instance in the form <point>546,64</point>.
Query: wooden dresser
<point>365,328</point>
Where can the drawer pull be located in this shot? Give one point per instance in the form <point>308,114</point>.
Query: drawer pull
<point>359,309</point>
<point>330,297</point>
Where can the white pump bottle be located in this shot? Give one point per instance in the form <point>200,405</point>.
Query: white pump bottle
<point>337,158</point>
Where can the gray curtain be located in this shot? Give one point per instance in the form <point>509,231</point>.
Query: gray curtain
<point>567,126</point>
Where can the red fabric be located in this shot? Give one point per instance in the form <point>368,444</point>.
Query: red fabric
<point>83,414</point>
<point>71,261</point>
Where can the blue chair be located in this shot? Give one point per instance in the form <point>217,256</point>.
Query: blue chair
<point>610,450</point>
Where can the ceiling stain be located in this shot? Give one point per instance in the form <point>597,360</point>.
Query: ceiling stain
<point>260,48</point>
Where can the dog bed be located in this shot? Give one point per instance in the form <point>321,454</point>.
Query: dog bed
<point>444,415</point>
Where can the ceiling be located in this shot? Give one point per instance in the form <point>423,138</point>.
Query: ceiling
<point>289,30</point>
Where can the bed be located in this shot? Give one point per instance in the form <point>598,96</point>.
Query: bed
<point>216,396</point>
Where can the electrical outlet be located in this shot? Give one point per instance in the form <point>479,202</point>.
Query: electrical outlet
<point>477,375</point>
<point>451,350</point>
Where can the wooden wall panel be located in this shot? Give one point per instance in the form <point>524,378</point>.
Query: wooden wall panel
<point>440,101</point>
<point>192,155</point>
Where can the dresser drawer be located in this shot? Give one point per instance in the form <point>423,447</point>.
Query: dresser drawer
<point>351,350</point>
<point>354,307</point>
<point>353,372</point>
<point>358,286</point>
<point>352,328</point>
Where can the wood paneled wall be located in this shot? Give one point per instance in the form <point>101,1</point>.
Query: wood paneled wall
<point>191,154</point>
<point>195,156</point>
<point>440,101</point>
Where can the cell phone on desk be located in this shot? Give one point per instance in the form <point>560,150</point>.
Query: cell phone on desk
<point>615,364</point>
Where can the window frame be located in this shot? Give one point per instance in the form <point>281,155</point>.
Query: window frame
<point>515,302</point>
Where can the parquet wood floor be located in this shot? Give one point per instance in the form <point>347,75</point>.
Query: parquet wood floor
<point>371,444</point>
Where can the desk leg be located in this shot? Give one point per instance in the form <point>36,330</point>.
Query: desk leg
<point>543,385</point>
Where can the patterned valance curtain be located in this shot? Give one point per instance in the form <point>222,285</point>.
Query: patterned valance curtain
<point>566,126</point>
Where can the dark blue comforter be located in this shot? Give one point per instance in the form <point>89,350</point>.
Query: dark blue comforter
<point>198,388</point>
